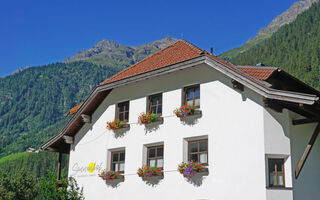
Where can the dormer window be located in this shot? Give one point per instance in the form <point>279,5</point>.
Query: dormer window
<point>192,96</point>
<point>122,112</point>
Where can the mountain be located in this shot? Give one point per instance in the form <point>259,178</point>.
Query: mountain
<point>285,18</point>
<point>295,48</point>
<point>107,51</point>
<point>34,101</point>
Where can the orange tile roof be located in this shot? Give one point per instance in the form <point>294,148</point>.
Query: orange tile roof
<point>75,109</point>
<point>259,72</point>
<point>177,52</point>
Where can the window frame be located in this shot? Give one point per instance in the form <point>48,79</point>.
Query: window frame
<point>276,174</point>
<point>156,156</point>
<point>118,162</point>
<point>185,96</point>
<point>198,152</point>
<point>122,112</point>
<point>149,104</point>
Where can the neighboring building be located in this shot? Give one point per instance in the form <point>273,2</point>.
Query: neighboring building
<point>253,129</point>
<point>30,149</point>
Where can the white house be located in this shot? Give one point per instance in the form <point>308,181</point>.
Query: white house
<point>255,130</point>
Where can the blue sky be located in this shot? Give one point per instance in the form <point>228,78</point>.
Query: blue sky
<point>38,32</point>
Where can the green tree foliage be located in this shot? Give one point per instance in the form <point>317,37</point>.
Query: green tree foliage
<point>36,164</point>
<point>23,186</point>
<point>67,189</point>
<point>294,47</point>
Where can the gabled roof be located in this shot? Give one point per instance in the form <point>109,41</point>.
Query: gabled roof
<point>174,53</point>
<point>259,72</point>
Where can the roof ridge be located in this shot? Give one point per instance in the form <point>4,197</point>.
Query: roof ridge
<point>193,46</point>
<point>199,50</point>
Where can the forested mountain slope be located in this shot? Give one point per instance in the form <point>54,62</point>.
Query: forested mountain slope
<point>285,18</point>
<point>34,101</point>
<point>294,48</point>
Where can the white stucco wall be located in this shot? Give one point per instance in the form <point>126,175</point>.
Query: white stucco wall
<point>233,122</point>
<point>277,145</point>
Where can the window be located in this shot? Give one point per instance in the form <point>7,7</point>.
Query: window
<point>118,161</point>
<point>155,104</point>
<point>155,156</point>
<point>276,172</point>
<point>198,151</point>
<point>192,96</point>
<point>123,111</point>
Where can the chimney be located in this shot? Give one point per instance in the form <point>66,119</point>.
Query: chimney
<point>211,50</point>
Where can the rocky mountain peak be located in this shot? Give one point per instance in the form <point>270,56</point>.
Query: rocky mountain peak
<point>101,46</point>
<point>105,45</point>
<point>287,17</point>
<point>112,46</point>
<point>163,42</point>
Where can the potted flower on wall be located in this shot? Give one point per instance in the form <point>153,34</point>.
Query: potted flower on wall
<point>110,175</point>
<point>148,118</point>
<point>186,111</point>
<point>147,171</point>
<point>116,124</point>
<point>190,168</point>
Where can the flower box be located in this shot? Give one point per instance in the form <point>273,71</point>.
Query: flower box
<point>110,175</point>
<point>191,168</point>
<point>117,124</point>
<point>148,118</point>
<point>187,111</point>
<point>147,171</point>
